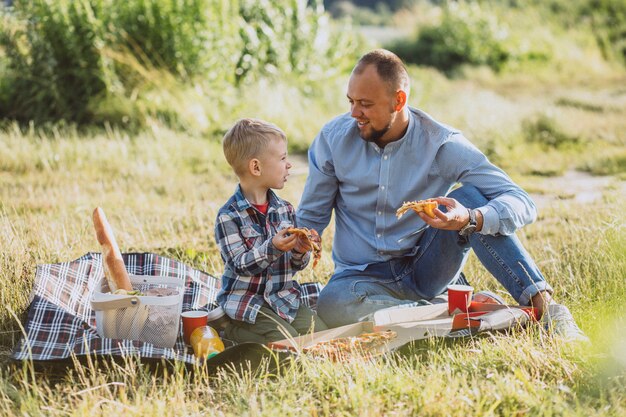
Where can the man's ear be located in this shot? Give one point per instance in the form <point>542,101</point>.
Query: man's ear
<point>400,100</point>
<point>254,166</point>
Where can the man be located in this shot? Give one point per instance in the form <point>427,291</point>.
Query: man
<point>366,163</point>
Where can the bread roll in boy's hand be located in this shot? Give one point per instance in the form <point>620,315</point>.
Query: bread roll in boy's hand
<point>114,268</point>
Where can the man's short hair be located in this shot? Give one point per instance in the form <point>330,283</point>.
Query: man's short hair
<point>389,68</point>
<point>247,139</point>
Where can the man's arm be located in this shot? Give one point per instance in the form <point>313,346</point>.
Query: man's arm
<point>509,207</point>
<point>318,197</point>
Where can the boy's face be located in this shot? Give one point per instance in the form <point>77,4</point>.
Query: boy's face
<point>274,164</point>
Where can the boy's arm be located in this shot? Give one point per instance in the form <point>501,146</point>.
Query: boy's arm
<point>299,260</point>
<point>232,247</point>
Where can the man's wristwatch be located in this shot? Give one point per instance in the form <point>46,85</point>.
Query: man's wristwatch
<point>470,227</point>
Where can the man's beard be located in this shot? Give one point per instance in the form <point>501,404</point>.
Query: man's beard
<point>374,135</point>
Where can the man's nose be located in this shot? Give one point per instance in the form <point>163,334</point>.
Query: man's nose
<point>289,165</point>
<point>355,111</point>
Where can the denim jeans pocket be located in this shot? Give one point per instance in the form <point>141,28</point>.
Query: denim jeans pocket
<point>372,289</point>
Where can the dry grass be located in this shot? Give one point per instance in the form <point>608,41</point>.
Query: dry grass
<point>161,191</point>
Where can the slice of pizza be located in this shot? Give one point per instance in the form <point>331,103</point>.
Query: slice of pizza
<point>365,344</point>
<point>311,236</point>
<point>426,206</point>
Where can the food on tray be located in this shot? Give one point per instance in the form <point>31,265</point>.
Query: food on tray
<point>366,344</point>
<point>427,206</point>
<point>121,291</point>
<point>311,236</point>
<point>114,268</point>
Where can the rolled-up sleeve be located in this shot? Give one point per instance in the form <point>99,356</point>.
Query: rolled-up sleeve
<point>509,206</point>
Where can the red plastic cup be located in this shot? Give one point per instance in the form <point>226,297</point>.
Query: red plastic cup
<point>191,321</point>
<point>459,298</point>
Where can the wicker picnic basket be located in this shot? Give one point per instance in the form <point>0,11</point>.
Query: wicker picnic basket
<point>152,318</point>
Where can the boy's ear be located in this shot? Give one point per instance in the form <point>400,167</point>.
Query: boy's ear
<point>254,166</point>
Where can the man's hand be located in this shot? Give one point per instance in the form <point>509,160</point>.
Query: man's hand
<point>454,218</point>
<point>284,241</point>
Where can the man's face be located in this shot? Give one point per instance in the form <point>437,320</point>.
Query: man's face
<point>372,105</point>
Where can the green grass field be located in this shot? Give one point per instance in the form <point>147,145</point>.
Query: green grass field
<point>161,190</point>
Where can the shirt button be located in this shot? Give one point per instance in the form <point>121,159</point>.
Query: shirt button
<point>385,157</point>
<point>382,187</point>
<point>378,235</point>
<point>380,252</point>
<point>380,213</point>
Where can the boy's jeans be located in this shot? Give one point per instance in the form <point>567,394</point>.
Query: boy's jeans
<point>352,295</point>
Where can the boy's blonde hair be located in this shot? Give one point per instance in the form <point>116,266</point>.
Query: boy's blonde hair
<point>246,140</point>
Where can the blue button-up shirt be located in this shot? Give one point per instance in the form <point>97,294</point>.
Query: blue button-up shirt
<point>366,184</point>
<point>255,271</point>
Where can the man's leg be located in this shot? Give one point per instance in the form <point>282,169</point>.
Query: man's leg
<point>443,253</point>
<point>353,295</point>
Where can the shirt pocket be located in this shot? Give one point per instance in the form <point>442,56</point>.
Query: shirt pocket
<point>252,236</point>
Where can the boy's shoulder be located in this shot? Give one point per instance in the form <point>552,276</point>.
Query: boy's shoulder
<point>278,202</point>
<point>237,204</point>
<point>230,206</point>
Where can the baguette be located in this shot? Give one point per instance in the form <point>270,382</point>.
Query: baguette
<point>114,268</point>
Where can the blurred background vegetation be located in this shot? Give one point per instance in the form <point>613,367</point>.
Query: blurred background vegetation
<point>189,64</point>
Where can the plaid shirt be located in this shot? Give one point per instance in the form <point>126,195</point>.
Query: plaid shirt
<point>255,271</point>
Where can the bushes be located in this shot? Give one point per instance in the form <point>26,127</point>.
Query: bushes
<point>54,65</point>
<point>510,35</point>
<point>608,21</point>
<point>89,60</point>
<point>291,37</point>
<point>467,34</point>
<point>545,132</point>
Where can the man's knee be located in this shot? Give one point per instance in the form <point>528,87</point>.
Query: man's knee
<point>331,308</point>
<point>469,196</point>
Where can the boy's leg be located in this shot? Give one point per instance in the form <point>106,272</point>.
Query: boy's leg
<point>306,319</point>
<point>266,328</point>
<point>443,253</point>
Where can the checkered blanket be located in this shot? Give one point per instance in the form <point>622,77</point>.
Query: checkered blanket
<point>61,323</point>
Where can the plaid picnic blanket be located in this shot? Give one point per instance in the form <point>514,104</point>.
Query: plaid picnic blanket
<point>60,321</point>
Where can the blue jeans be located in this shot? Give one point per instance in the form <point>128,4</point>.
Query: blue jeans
<point>351,295</point>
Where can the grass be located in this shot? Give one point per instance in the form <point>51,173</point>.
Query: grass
<point>161,190</point>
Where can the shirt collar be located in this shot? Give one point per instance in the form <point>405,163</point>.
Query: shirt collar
<point>393,146</point>
<point>243,204</point>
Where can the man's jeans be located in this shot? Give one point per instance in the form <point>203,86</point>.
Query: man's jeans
<point>350,296</point>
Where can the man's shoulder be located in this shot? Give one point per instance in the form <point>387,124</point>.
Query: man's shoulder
<point>338,127</point>
<point>431,125</point>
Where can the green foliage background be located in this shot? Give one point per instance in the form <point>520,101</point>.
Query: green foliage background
<point>93,60</point>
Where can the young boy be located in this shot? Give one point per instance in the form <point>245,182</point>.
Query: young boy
<point>258,291</point>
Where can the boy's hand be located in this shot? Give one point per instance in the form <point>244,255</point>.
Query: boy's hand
<point>284,241</point>
<point>302,244</point>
